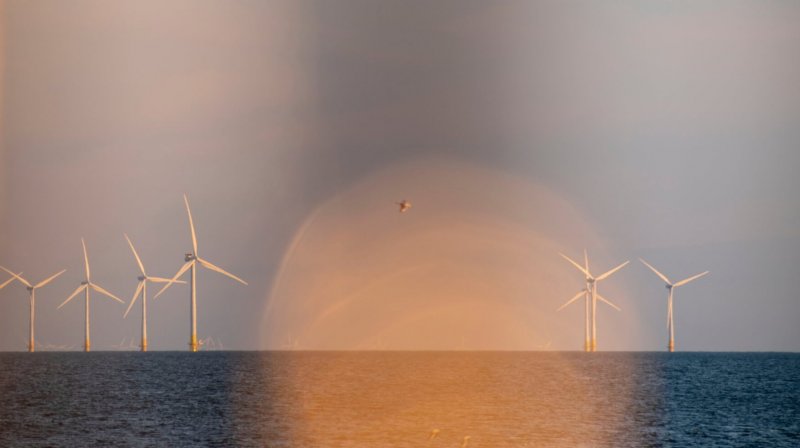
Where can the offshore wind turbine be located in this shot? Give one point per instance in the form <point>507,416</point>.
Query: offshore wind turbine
<point>587,345</point>
<point>142,289</point>
<point>192,260</point>
<point>670,287</point>
<point>32,293</point>
<point>86,285</point>
<point>591,294</point>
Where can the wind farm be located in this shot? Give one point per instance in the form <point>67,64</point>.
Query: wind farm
<point>589,293</point>
<point>396,203</point>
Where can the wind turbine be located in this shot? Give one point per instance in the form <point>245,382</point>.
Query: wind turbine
<point>590,292</point>
<point>670,286</point>
<point>142,288</point>
<point>192,259</point>
<point>32,292</point>
<point>85,286</point>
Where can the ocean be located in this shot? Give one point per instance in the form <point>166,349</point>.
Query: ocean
<point>399,399</point>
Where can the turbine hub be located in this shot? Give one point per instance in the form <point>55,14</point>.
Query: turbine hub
<point>189,257</point>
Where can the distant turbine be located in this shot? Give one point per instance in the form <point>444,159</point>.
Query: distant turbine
<point>32,292</point>
<point>142,288</point>
<point>192,259</point>
<point>670,286</point>
<point>590,291</point>
<point>85,286</point>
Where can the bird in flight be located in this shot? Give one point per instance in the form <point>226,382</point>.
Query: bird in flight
<point>404,205</point>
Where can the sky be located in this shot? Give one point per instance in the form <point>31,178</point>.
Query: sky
<point>518,130</point>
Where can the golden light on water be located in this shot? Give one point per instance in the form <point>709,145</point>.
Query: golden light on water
<point>498,399</point>
<point>473,265</point>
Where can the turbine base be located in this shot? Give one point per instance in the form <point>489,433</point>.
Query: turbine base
<point>193,343</point>
<point>671,346</point>
<point>144,345</point>
<point>87,346</point>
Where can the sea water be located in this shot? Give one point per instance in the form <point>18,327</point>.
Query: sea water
<point>399,399</point>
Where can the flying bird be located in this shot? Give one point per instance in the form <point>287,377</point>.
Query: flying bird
<point>404,205</point>
<point>433,435</point>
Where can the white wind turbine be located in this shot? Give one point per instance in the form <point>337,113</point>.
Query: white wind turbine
<point>142,289</point>
<point>85,286</point>
<point>32,293</point>
<point>591,295</point>
<point>192,259</point>
<point>670,286</point>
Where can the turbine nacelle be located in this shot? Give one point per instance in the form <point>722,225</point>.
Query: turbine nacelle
<point>189,257</point>
<point>141,278</point>
<point>84,282</point>
<point>668,286</point>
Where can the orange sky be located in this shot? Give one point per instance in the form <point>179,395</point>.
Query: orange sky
<point>473,264</point>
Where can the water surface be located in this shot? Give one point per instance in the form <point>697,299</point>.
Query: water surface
<point>387,399</point>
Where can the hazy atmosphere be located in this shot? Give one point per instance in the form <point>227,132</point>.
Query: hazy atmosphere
<point>668,131</point>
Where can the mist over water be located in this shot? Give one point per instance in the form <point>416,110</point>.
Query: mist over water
<point>369,399</point>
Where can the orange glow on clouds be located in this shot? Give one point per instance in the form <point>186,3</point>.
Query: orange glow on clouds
<point>473,265</point>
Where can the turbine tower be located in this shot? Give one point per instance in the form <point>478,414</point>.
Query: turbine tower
<point>85,286</point>
<point>192,259</point>
<point>591,295</point>
<point>32,293</point>
<point>142,289</point>
<point>670,286</point>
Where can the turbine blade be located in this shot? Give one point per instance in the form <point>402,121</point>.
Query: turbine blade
<point>607,274</point>
<point>191,224</point>
<point>577,296</point>
<point>5,283</point>
<point>86,259</point>
<point>138,260</point>
<point>103,291</point>
<point>135,296</point>
<point>14,276</point>
<point>75,293</point>
<point>694,277</point>
<point>607,302</point>
<point>164,280</point>
<point>44,282</point>
<point>181,271</point>
<point>580,268</point>
<point>208,265</point>
<point>586,260</point>
<point>663,277</point>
